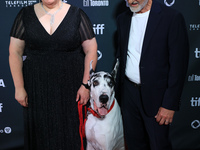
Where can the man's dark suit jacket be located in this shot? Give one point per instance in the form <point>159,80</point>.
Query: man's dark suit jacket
<point>164,57</point>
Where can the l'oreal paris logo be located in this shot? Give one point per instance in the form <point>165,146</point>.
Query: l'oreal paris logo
<point>169,4</point>
<point>87,3</point>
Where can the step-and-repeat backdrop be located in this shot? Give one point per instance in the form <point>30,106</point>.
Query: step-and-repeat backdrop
<point>185,130</point>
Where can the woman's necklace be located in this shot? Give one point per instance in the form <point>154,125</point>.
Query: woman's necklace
<point>52,15</point>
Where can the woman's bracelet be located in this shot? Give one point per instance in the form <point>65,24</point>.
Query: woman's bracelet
<point>86,86</point>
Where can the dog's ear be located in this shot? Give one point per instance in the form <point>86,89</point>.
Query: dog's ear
<point>91,73</point>
<point>114,71</point>
<point>91,69</point>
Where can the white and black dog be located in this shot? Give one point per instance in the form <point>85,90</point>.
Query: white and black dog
<point>104,128</point>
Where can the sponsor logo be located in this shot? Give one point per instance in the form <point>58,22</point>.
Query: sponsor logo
<point>1,107</point>
<point>6,130</point>
<point>2,84</point>
<point>193,77</point>
<point>194,27</point>
<point>99,53</point>
<point>195,124</point>
<point>97,3</point>
<point>98,28</point>
<point>19,3</point>
<point>24,58</point>
<point>197,53</point>
<point>169,4</point>
<point>195,102</point>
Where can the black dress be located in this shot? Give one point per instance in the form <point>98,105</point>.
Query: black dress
<point>53,72</point>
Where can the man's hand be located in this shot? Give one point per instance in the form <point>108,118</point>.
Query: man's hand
<point>164,116</point>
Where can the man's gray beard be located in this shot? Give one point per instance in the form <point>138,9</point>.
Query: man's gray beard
<point>140,7</point>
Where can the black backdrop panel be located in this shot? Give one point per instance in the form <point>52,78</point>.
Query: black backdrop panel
<point>185,129</point>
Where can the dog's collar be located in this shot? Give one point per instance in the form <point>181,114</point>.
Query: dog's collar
<point>96,114</point>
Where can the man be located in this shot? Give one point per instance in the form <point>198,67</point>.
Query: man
<point>153,52</point>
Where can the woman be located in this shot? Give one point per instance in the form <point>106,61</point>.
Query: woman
<point>59,43</point>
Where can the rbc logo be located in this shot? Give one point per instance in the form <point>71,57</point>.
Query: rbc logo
<point>2,83</point>
<point>195,124</point>
<point>7,130</point>
<point>99,54</point>
<point>98,28</point>
<point>169,4</point>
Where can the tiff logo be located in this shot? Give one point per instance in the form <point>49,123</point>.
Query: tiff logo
<point>195,102</point>
<point>197,53</point>
<point>1,107</point>
<point>2,83</point>
<point>98,28</point>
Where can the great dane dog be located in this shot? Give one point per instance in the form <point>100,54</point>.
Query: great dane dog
<point>103,128</point>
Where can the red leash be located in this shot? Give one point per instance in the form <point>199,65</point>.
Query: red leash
<point>96,114</point>
<point>82,122</point>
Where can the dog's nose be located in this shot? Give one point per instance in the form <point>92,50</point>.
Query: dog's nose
<point>103,99</point>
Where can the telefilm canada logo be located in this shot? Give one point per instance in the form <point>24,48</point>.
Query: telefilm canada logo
<point>6,130</point>
<point>19,3</point>
<point>95,3</point>
<point>169,3</point>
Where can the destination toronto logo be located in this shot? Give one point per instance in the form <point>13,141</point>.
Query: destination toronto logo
<point>87,3</point>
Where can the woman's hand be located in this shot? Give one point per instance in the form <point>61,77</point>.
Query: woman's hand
<point>83,95</point>
<point>21,96</point>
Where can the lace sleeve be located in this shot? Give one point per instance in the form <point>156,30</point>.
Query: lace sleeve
<point>17,30</point>
<point>85,29</point>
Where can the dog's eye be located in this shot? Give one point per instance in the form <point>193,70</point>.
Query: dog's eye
<point>95,83</point>
<point>111,84</point>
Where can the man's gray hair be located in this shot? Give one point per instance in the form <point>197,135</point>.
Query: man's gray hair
<point>127,3</point>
